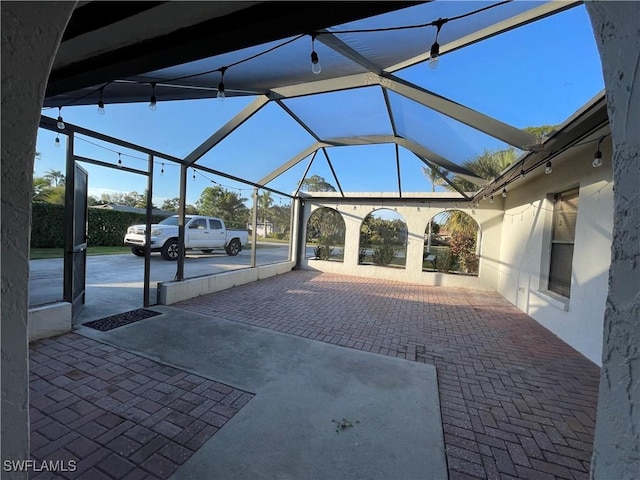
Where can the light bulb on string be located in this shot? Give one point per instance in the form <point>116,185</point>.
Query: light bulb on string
<point>548,168</point>
<point>521,174</point>
<point>316,68</point>
<point>491,199</point>
<point>153,102</point>
<point>101,103</point>
<point>162,170</point>
<point>119,161</point>
<point>194,175</point>
<point>597,157</point>
<point>60,124</point>
<point>221,95</point>
<point>504,193</point>
<point>434,53</point>
<point>57,141</point>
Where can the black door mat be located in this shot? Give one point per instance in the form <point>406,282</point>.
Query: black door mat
<point>115,321</point>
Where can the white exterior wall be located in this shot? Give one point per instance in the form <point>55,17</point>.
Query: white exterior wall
<point>526,247</point>
<point>416,214</point>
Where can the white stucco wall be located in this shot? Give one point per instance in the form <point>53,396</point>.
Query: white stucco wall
<point>31,32</point>
<point>526,246</point>
<point>416,214</point>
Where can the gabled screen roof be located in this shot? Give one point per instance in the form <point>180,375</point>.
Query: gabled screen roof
<point>500,70</point>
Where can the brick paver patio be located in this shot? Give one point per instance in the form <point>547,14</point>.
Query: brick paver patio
<point>516,401</point>
<point>118,415</point>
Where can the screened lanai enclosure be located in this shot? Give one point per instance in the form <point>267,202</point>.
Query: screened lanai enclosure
<point>372,111</point>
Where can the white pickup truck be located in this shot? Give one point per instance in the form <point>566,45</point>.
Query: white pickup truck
<point>201,233</point>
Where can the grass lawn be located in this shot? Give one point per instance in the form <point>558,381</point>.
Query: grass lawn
<point>42,253</point>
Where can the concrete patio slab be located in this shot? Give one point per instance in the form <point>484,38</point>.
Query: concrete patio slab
<point>304,390</point>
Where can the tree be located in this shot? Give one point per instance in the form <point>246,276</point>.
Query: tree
<point>265,200</point>
<point>316,183</point>
<point>55,177</point>
<point>281,217</point>
<point>41,187</point>
<point>541,132</point>
<point>436,175</point>
<point>220,202</point>
<point>172,205</point>
<point>487,165</point>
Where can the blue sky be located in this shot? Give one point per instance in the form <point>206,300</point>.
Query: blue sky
<point>538,74</point>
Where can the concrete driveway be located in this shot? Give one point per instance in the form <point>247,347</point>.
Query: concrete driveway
<point>115,282</point>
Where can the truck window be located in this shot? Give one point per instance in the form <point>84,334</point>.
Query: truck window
<point>198,223</point>
<point>215,224</point>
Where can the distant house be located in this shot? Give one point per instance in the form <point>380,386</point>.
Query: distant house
<point>126,208</point>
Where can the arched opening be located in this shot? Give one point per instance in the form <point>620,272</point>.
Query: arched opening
<point>452,244</point>
<point>383,239</point>
<point>325,235</point>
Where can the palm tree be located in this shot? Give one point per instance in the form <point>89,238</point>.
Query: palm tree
<point>264,202</point>
<point>435,175</point>
<point>487,165</point>
<point>56,177</point>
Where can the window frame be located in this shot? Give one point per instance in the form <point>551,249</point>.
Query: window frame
<point>554,286</point>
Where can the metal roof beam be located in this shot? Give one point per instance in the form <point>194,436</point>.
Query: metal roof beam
<point>444,177</point>
<point>538,13</point>
<point>325,86</point>
<point>411,146</point>
<point>298,119</point>
<point>291,163</point>
<point>335,177</point>
<point>226,129</point>
<point>334,43</point>
<point>495,128</point>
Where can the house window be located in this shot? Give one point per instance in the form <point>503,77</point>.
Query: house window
<point>565,214</point>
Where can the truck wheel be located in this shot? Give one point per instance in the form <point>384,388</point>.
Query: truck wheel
<point>170,250</point>
<point>138,252</point>
<point>234,247</point>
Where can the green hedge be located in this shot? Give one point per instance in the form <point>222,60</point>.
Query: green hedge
<point>106,227</point>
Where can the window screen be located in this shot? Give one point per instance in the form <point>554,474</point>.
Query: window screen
<point>565,214</point>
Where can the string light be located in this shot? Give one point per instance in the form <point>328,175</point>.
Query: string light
<point>194,174</point>
<point>522,173</point>
<point>504,193</point>
<point>436,23</point>
<point>597,157</point>
<point>316,68</point>
<point>221,96</point>
<point>153,101</point>
<point>162,170</point>
<point>548,168</point>
<point>119,160</point>
<point>491,199</point>
<point>101,103</point>
<point>57,141</point>
<point>60,124</point>
<point>434,55</point>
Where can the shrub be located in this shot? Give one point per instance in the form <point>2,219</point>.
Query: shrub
<point>105,227</point>
<point>322,252</point>
<point>47,225</point>
<point>444,262</point>
<point>383,255</point>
